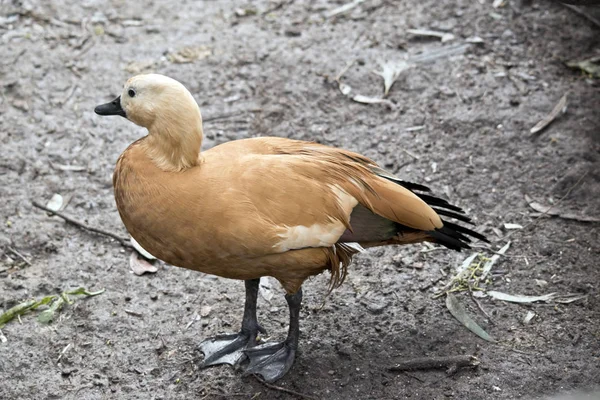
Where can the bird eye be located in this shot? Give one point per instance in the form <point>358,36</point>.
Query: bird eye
<point>131,93</point>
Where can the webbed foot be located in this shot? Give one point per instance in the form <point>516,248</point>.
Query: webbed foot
<point>271,361</point>
<point>227,349</point>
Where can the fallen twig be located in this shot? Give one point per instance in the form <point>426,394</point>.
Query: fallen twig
<point>123,241</point>
<point>344,70</point>
<point>62,353</point>
<point>134,313</point>
<point>554,212</point>
<point>584,14</point>
<point>62,102</point>
<point>282,389</point>
<point>478,304</point>
<point>546,212</point>
<point>436,363</point>
<point>558,108</point>
<point>21,256</point>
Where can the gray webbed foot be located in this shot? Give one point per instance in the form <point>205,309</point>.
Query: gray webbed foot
<point>227,349</point>
<point>271,361</point>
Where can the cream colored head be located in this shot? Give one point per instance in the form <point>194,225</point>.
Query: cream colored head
<point>169,112</point>
<point>153,98</point>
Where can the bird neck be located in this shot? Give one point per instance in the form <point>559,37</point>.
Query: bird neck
<point>174,144</point>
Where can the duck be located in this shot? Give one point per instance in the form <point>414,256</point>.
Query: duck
<point>257,207</point>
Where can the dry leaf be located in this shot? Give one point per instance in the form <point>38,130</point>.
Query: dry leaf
<point>590,66</point>
<point>265,288</point>
<point>561,106</point>
<point>189,54</point>
<point>512,226</point>
<point>570,299</point>
<point>140,266</point>
<point>556,212</point>
<point>517,298</point>
<point>55,203</point>
<point>528,317</point>
<point>390,71</point>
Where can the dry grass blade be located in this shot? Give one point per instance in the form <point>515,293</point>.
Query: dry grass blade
<point>343,9</point>
<point>443,36</point>
<point>512,298</point>
<point>359,98</point>
<point>487,267</point>
<point>558,108</point>
<point>436,363</point>
<point>442,52</point>
<point>461,273</point>
<point>459,312</point>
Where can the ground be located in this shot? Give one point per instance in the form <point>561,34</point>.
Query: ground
<point>459,124</point>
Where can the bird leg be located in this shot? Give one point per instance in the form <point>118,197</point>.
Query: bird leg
<point>273,361</point>
<point>228,348</point>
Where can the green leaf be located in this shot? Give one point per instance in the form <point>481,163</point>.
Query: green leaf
<point>459,312</point>
<point>19,309</point>
<point>84,291</point>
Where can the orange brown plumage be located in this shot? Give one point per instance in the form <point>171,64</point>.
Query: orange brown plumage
<point>259,207</point>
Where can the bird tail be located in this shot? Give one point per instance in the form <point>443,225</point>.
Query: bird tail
<point>451,235</point>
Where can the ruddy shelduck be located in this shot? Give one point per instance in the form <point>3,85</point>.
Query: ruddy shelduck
<point>265,206</point>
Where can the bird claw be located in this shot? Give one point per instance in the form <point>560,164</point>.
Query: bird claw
<point>271,361</point>
<point>226,349</point>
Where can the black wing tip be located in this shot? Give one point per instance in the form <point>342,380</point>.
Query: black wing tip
<point>450,235</point>
<point>455,215</point>
<point>455,237</point>
<point>466,231</point>
<point>449,238</point>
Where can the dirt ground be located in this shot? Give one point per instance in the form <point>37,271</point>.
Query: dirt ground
<point>266,68</point>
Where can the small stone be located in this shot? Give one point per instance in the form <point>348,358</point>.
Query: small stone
<point>205,311</point>
<point>21,105</point>
<point>153,296</point>
<point>293,32</point>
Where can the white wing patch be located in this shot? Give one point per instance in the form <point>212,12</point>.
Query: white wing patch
<point>299,237</point>
<point>318,235</point>
<point>355,246</point>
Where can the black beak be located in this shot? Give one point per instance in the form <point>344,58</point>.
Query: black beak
<point>112,108</point>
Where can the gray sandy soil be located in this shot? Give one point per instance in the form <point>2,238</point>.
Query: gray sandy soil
<point>271,72</point>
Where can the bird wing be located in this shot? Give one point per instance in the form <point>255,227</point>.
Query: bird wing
<point>292,194</point>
